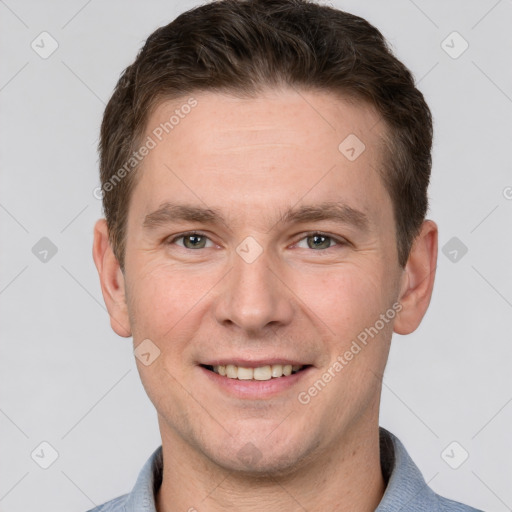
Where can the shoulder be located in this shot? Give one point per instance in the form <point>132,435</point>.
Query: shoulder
<point>142,496</point>
<point>115,505</point>
<point>406,488</point>
<point>446,505</point>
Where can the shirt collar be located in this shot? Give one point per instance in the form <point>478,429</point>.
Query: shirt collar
<point>142,497</point>
<point>406,488</point>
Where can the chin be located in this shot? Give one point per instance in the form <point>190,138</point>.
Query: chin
<point>264,468</point>
<point>261,458</point>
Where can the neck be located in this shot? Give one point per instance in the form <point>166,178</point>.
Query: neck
<point>346,477</point>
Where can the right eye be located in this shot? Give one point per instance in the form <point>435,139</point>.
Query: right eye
<point>192,240</point>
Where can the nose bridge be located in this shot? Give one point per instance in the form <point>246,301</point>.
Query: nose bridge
<point>253,296</point>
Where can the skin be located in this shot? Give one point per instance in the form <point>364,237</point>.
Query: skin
<point>252,159</point>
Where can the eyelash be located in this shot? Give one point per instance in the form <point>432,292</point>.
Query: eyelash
<point>338,241</point>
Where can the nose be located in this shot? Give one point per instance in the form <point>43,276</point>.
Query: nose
<point>254,296</point>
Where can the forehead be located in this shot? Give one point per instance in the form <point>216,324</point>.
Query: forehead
<point>286,116</point>
<point>280,146</point>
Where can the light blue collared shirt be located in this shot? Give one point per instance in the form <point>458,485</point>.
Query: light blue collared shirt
<point>406,489</point>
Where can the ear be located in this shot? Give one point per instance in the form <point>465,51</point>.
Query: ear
<point>417,281</point>
<point>111,279</point>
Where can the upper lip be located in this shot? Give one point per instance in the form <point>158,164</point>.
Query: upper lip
<point>246,363</point>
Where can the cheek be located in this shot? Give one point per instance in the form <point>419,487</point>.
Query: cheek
<point>163,308</point>
<point>160,297</point>
<point>346,300</point>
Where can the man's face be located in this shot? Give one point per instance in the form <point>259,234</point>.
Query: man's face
<point>257,284</point>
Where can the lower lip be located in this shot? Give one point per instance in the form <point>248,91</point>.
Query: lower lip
<point>256,388</point>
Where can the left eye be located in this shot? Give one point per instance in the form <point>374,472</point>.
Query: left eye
<point>320,241</point>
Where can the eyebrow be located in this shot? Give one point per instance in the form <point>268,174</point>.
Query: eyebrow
<point>330,211</point>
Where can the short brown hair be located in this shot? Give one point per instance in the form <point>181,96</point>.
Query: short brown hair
<point>244,46</point>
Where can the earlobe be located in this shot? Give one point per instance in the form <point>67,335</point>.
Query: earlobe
<point>418,279</point>
<point>111,280</point>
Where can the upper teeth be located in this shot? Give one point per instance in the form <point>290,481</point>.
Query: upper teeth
<point>259,373</point>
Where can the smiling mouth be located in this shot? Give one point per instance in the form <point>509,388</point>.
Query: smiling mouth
<point>267,372</point>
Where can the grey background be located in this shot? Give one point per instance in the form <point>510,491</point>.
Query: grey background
<point>67,379</point>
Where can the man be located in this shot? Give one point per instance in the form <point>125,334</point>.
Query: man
<point>264,169</point>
